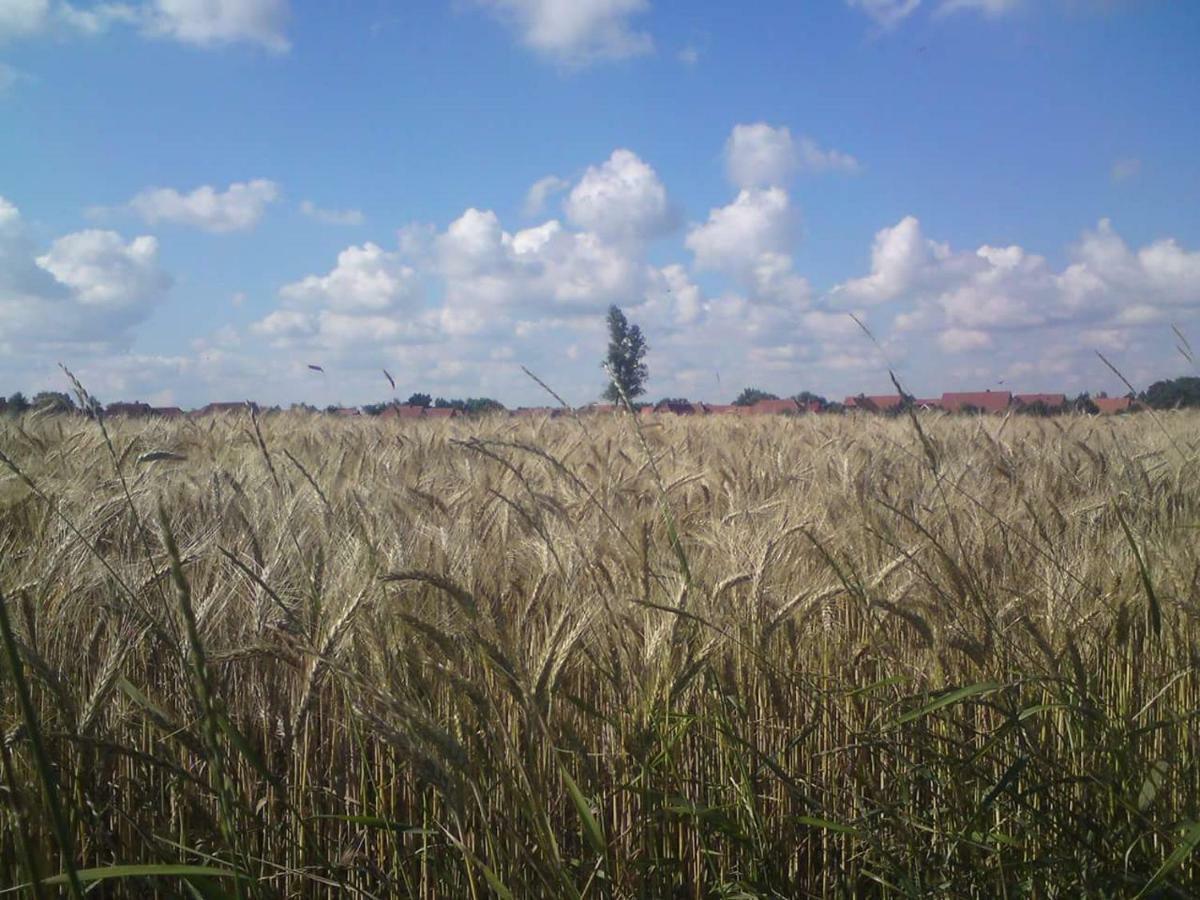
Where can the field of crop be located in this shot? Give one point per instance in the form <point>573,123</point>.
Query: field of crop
<point>824,656</point>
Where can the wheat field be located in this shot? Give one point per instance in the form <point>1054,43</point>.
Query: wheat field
<point>835,656</point>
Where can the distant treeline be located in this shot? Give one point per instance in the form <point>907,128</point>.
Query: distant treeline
<point>1175,393</point>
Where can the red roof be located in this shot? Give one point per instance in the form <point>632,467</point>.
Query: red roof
<point>874,402</point>
<point>774,408</point>
<point>402,411</point>
<point>1110,405</point>
<point>167,412</point>
<point>720,409</point>
<point>679,408</point>
<point>444,412</point>
<point>928,402</point>
<point>1050,400</point>
<point>988,401</point>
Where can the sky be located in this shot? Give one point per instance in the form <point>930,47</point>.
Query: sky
<point>199,199</point>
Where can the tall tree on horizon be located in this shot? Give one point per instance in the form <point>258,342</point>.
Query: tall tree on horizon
<point>624,363</point>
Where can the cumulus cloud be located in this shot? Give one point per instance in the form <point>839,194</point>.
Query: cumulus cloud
<point>203,23</point>
<point>238,208</point>
<point>214,23</point>
<point>366,278</point>
<point>332,216</point>
<point>576,32</point>
<point>969,300</point>
<point>23,17</point>
<point>735,237</point>
<point>369,297</point>
<point>541,191</point>
<point>90,286</point>
<point>760,155</point>
<point>490,273</point>
<point>899,255</point>
<point>622,199</point>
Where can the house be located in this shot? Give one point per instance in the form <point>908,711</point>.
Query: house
<point>346,412</point>
<point>874,402</point>
<point>167,412</point>
<point>679,407</point>
<point>979,401</point>
<point>402,411</point>
<point>442,412</point>
<point>1050,401</point>
<point>131,410</point>
<point>1110,406</point>
<point>214,408</point>
<point>774,408</point>
<point>719,409</point>
<point>928,402</point>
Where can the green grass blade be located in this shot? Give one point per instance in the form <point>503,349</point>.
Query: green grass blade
<point>1175,860</point>
<point>949,698</point>
<point>592,829</point>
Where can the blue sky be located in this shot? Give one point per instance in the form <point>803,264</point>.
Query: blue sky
<point>201,197</point>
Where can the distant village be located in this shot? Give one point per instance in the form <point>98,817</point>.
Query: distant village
<point>751,403</point>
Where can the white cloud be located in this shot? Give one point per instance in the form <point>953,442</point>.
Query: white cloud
<point>203,23</point>
<point>541,191</point>
<point>736,237</point>
<point>97,18</point>
<point>365,279</point>
<point>622,199</point>
<point>332,216</point>
<point>898,257</point>
<point>491,273</point>
<point>369,298</point>
<point>886,13</point>
<point>811,157</point>
<point>238,208</point>
<point>964,340</point>
<point>577,32</point>
<point>1106,297</point>
<point>88,287</point>
<point>760,155</point>
<point>689,55</point>
<point>19,18</point>
<point>214,23</point>
<point>104,272</point>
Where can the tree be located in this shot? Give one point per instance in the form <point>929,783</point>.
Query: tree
<point>750,396</point>
<point>420,400</point>
<point>52,401</point>
<point>1083,404</point>
<point>17,403</point>
<point>624,363</point>
<point>1178,392</point>
<point>804,398</point>
<point>478,406</point>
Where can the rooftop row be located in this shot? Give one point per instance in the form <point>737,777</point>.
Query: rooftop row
<point>954,402</point>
